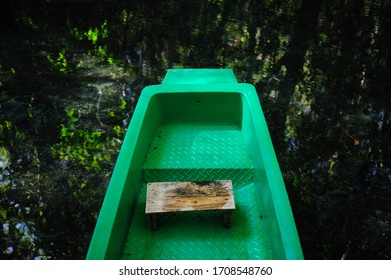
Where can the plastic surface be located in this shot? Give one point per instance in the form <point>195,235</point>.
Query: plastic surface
<point>199,124</point>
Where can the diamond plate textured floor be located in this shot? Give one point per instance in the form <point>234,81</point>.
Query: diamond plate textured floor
<point>199,153</point>
<point>201,235</point>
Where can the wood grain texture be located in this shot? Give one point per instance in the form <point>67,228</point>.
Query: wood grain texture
<point>189,196</point>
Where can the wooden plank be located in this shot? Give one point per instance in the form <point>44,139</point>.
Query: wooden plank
<point>189,196</point>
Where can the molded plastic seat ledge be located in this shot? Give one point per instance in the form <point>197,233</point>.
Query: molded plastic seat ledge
<point>200,76</point>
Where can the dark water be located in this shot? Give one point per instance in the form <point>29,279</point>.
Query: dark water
<point>71,73</point>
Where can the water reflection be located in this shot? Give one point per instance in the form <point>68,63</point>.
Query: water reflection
<point>60,142</point>
<point>68,89</point>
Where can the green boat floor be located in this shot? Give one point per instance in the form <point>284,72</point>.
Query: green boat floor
<point>183,152</point>
<point>201,235</point>
<point>176,154</point>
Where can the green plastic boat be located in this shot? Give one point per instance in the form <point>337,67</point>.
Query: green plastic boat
<point>199,125</point>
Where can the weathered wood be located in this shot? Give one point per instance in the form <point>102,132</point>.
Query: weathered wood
<point>189,196</point>
<point>163,197</point>
<point>152,220</point>
<point>228,219</point>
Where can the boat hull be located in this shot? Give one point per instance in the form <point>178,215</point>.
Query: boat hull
<point>198,125</point>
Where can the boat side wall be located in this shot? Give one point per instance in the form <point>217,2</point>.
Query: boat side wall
<point>201,107</point>
<point>268,179</point>
<point>121,195</point>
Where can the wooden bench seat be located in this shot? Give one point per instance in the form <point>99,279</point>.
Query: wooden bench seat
<point>164,197</point>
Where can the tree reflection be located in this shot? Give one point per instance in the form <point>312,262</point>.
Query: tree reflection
<point>321,69</point>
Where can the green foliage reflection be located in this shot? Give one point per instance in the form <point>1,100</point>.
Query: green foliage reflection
<point>321,69</point>
<point>81,146</point>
